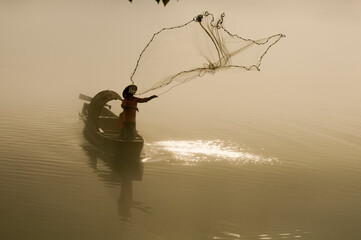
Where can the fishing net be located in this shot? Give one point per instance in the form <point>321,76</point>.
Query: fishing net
<point>182,53</point>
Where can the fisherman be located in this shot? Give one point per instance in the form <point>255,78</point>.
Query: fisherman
<point>129,105</point>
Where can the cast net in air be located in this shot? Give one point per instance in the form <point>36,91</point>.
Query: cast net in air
<point>182,53</point>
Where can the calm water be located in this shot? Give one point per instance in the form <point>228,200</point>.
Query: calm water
<point>292,172</point>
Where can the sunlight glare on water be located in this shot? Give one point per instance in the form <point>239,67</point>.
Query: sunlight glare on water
<point>191,152</point>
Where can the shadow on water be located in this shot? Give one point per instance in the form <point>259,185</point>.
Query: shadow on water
<point>121,170</point>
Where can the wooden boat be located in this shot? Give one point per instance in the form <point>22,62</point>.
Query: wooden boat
<point>103,127</point>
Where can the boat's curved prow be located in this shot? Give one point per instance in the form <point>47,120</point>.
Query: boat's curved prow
<point>97,103</point>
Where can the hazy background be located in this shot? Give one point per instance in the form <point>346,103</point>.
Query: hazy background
<point>48,45</point>
<point>60,48</point>
<point>302,111</point>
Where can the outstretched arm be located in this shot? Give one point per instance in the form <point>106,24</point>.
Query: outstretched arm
<point>141,100</point>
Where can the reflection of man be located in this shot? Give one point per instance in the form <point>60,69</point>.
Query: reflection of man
<point>130,170</point>
<point>126,199</point>
<point>129,105</point>
<point>126,202</point>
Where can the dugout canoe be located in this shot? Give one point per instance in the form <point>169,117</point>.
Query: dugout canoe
<point>103,127</point>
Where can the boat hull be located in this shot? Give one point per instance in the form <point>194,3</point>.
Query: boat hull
<point>108,134</point>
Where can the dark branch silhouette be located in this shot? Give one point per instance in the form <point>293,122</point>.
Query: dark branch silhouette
<point>165,2</point>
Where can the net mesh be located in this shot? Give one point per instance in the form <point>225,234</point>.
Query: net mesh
<point>182,53</point>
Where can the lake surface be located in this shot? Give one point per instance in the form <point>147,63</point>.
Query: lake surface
<point>272,170</point>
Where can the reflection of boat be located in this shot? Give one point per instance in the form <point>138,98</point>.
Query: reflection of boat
<point>103,127</point>
<point>121,170</point>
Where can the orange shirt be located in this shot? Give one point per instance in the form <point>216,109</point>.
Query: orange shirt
<point>130,107</point>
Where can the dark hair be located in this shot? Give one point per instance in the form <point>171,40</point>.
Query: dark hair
<point>126,94</point>
<point>129,91</point>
